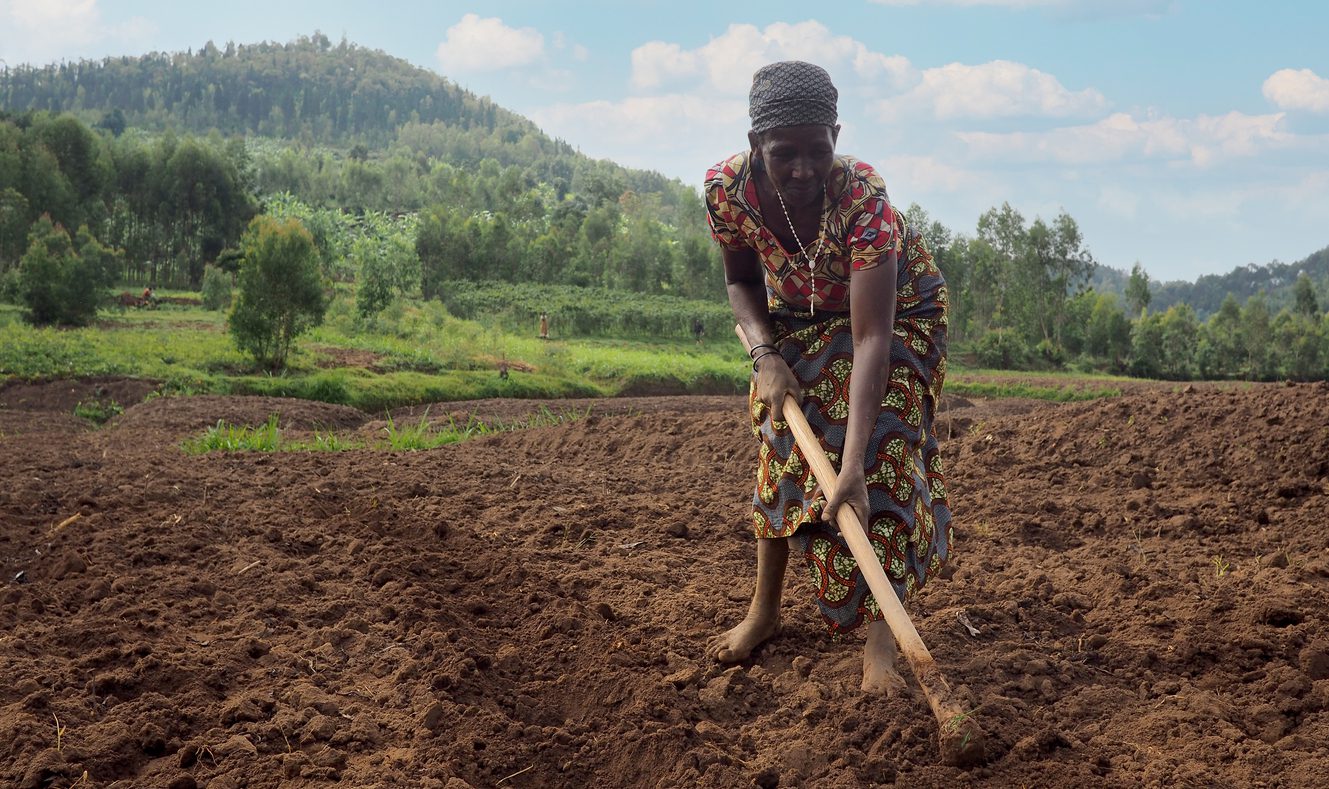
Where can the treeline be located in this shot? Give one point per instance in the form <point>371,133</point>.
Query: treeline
<point>169,204</point>
<point>1020,299</point>
<point>1277,280</point>
<point>175,203</point>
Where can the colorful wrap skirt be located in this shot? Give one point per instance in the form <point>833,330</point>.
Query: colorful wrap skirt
<point>910,522</point>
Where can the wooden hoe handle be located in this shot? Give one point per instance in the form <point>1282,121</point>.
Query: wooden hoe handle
<point>960,738</point>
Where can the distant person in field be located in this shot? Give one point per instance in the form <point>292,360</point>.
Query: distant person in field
<point>698,330</point>
<point>822,272</point>
<point>544,325</point>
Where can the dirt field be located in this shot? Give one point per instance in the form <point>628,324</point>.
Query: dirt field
<point>1147,579</point>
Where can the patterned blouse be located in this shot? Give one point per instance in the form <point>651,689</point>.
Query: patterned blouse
<point>860,228</point>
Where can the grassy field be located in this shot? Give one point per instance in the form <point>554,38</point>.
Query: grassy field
<point>416,352</point>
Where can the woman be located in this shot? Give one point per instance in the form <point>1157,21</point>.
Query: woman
<point>826,279</point>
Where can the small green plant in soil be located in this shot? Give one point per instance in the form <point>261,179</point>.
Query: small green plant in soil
<point>422,435</point>
<point>224,437</point>
<point>98,411</point>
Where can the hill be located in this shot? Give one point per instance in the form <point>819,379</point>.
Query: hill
<point>1206,294</point>
<point>308,89</point>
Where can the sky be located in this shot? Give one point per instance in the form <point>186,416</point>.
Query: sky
<point>1190,136</point>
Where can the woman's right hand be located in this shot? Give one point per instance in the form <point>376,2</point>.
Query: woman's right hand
<point>774,382</point>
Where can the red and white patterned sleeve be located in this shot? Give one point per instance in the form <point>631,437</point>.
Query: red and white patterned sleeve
<point>873,230</point>
<point>721,212</point>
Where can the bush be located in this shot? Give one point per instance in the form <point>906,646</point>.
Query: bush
<point>1003,349</point>
<point>61,284</point>
<point>10,292</point>
<point>280,294</point>
<point>216,288</point>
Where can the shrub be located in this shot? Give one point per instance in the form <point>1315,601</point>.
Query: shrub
<point>59,283</point>
<point>1003,349</point>
<point>98,411</point>
<point>280,294</point>
<point>216,288</point>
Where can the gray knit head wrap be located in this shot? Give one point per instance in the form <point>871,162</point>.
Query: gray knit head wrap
<point>791,93</point>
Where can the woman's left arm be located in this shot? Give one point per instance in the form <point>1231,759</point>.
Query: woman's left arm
<point>872,318</point>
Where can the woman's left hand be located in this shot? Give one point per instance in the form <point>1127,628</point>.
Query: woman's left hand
<point>851,490</point>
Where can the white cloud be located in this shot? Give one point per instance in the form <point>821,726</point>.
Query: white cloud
<point>680,135</point>
<point>1201,141</point>
<point>655,63</point>
<point>579,53</point>
<point>997,89</point>
<point>40,31</point>
<point>727,62</point>
<point>928,173</point>
<point>1068,8</point>
<point>478,44</point>
<point>1303,89</point>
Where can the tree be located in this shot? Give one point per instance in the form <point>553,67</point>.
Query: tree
<point>1108,333</point>
<point>445,245</point>
<point>1299,345</point>
<point>387,263</point>
<point>1258,338</point>
<point>1222,344</point>
<point>280,295</point>
<point>13,226</point>
<point>1147,359</point>
<point>1303,297</point>
<point>1137,290</point>
<point>216,288</point>
<point>1180,332</point>
<point>61,283</point>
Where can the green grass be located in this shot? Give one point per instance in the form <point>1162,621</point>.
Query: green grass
<point>419,435</point>
<point>225,437</point>
<point>423,354</point>
<point>98,411</point>
<point>423,436</point>
<point>1058,394</point>
<point>1036,385</point>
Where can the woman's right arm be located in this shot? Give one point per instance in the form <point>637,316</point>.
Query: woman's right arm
<point>746,284</point>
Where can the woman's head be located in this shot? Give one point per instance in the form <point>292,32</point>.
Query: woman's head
<point>791,93</point>
<point>793,109</point>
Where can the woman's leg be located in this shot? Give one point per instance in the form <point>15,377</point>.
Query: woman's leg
<point>763,619</point>
<point>879,672</point>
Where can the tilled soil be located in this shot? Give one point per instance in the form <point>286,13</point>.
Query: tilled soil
<point>1138,598</point>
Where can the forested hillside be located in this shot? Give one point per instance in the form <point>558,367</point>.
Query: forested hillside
<point>152,167</point>
<point>1277,280</point>
<point>309,90</point>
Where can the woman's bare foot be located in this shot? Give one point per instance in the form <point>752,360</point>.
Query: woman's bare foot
<point>763,619</point>
<point>879,673</point>
<point>736,644</point>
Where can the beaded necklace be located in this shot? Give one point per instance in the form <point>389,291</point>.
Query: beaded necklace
<point>803,248</point>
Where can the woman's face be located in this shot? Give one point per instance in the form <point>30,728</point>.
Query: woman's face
<point>797,159</point>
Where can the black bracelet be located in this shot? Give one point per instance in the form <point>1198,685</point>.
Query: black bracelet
<point>753,350</point>
<point>763,356</point>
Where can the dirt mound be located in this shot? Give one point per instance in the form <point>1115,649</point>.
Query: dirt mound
<point>64,395</point>
<point>185,415</point>
<point>1138,600</point>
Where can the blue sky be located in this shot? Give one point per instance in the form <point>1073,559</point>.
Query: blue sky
<point>1189,135</point>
